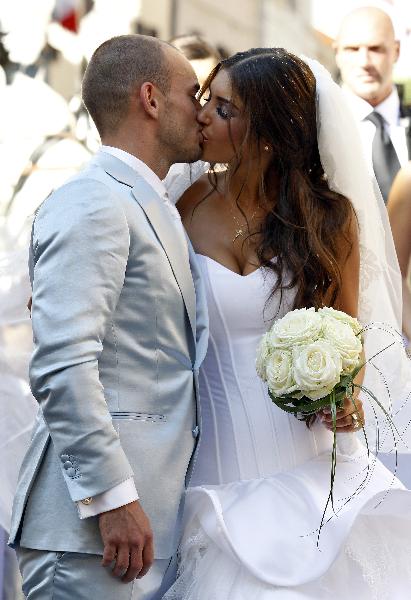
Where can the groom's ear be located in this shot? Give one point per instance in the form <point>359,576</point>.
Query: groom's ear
<point>150,99</point>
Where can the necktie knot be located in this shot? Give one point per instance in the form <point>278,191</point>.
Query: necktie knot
<point>378,120</point>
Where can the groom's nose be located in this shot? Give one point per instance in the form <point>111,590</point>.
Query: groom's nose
<point>198,105</point>
<point>203,115</point>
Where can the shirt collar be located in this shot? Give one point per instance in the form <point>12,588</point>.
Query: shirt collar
<point>140,167</point>
<point>360,107</point>
<point>388,108</point>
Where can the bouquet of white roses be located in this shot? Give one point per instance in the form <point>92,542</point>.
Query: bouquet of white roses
<point>309,360</point>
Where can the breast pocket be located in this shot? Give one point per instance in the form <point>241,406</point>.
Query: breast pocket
<point>139,432</point>
<point>137,416</point>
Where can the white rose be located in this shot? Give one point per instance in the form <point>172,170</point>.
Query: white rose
<point>263,352</point>
<point>299,326</point>
<point>317,368</point>
<point>338,315</point>
<point>280,372</point>
<point>343,339</point>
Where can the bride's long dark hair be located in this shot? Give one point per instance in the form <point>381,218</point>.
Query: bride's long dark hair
<point>306,222</point>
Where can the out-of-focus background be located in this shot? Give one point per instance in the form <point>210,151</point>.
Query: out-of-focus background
<point>65,32</point>
<point>46,136</point>
<point>45,46</point>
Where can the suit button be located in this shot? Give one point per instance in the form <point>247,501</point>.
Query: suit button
<point>195,431</point>
<point>64,457</point>
<point>68,464</point>
<point>71,472</point>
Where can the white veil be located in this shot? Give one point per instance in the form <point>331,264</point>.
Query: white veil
<point>388,374</point>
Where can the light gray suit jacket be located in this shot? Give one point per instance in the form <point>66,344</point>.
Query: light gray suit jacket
<point>120,331</point>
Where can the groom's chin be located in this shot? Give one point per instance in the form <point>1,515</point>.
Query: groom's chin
<point>201,154</point>
<point>196,156</point>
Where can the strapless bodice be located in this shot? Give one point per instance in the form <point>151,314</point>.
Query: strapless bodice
<point>243,434</point>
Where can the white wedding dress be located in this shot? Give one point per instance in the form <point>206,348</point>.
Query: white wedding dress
<point>261,480</point>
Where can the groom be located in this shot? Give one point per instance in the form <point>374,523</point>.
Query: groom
<point>119,330</point>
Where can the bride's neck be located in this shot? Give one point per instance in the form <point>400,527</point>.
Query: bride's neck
<point>245,186</point>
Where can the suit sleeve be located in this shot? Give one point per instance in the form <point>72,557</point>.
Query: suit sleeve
<point>80,252</point>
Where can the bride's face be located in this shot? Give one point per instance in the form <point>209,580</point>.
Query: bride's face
<point>223,122</point>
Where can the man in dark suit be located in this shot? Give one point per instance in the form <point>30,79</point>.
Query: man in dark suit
<point>366,52</point>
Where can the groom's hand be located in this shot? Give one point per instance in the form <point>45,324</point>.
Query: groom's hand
<point>128,541</point>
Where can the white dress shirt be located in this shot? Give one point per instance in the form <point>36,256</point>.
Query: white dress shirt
<point>181,176</point>
<point>390,110</point>
<point>126,492</point>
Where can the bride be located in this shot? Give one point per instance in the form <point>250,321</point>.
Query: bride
<point>282,228</point>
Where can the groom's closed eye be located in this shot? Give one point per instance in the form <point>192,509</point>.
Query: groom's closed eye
<point>193,92</point>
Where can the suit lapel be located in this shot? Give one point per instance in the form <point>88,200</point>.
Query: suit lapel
<point>202,331</point>
<point>173,242</point>
<point>171,239</point>
<point>405,121</point>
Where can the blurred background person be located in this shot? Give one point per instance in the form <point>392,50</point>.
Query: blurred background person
<point>202,55</point>
<point>366,51</point>
<point>26,127</point>
<point>399,211</point>
<point>38,150</point>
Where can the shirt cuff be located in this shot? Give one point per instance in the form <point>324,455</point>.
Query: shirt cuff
<point>120,495</point>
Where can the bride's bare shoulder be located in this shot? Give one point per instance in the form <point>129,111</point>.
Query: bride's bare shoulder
<point>200,190</point>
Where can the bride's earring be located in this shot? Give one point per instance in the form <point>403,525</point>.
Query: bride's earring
<point>266,148</point>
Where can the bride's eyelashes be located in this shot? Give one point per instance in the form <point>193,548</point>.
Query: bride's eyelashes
<point>222,110</point>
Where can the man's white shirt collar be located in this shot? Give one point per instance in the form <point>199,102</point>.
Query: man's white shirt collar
<point>388,108</point>
<point>140,167</point>
<point>147,174</point>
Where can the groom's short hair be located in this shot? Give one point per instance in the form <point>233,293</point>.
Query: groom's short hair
<point>119,66</point>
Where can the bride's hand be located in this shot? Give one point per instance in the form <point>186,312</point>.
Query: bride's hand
<point>349,417</point>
